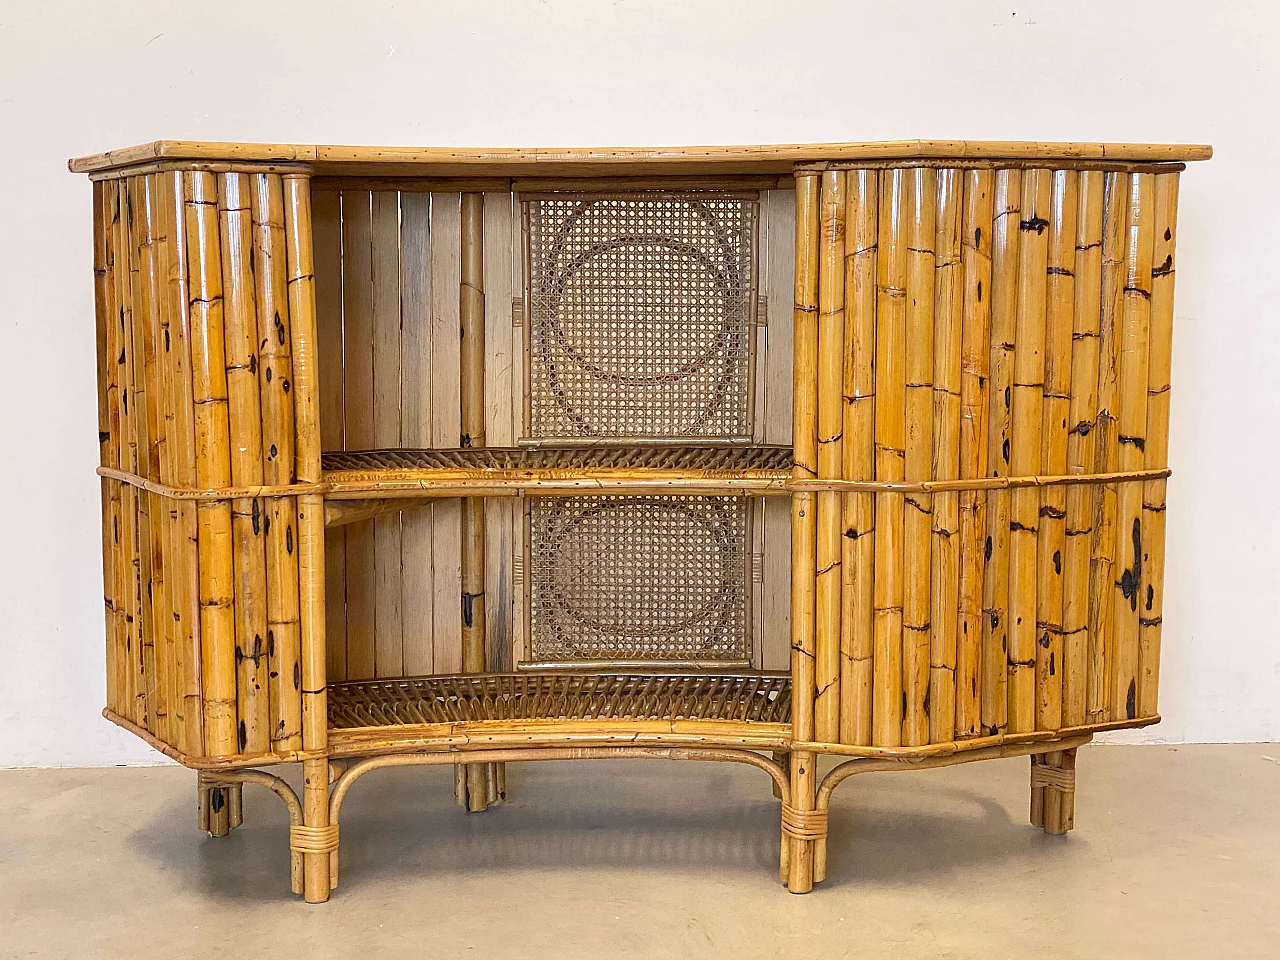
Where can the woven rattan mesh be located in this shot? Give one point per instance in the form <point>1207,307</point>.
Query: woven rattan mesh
<point>577,696</point>
<point>545,458</point>
<point>641,308</point>
<point>638,579</point>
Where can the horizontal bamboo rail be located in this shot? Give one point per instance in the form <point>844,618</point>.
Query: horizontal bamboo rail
<point>452,484</point>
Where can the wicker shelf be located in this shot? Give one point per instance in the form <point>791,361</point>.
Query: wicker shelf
<point>743,697</point>
<point>493,471</point>
<point>532,709</point>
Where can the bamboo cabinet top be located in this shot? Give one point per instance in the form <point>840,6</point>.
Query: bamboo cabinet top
<point>588,161</point>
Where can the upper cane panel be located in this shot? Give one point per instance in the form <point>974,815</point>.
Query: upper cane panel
<point>640,308</point>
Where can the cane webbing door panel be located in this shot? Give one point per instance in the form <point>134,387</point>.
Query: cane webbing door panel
<point>641,312</point>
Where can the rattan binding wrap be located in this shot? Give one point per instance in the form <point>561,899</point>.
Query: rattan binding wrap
<point>761,698</point>
<point>641,308</point>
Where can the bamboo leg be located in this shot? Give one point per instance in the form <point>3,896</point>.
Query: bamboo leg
<point>318,879</point>
<point>1053,791</point>
<point>806,859</point>
<point>219,807</point>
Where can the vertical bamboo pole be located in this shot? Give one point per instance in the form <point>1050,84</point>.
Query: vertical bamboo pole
<point>975,372</point>
<point>159,620</point>
<point>163,509</point>
<point>1151,597</point>
<point>857,638</point>
<point>1055,413</point>
<point>306,418</point>
<point>888,708</point>
<point>170,299</point>
<point>797,855</point>
<point>240,328</point>
<point>918,461</point>
<point>1005,237</point>
<point>1134,352</point>
<point>1080,446</point>
<point>275,377</point>
<point>182,454</point>
<point>104,200</point>
<point>830,416</point>
<point>481,779</point>
<point>212,463</point>
<point>1024,459</point>
<point>117,574</point>
<point>1106,452</point>
<point>147,456</point>
<point>131,684</point>
<point>947,363</point>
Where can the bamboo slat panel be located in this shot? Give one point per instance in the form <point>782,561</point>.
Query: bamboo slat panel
<point>1001,323</point>
<point>387,300</point>
<point>203,596</point>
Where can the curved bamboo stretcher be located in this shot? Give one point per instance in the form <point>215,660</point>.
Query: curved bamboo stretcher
<point>976,466</point>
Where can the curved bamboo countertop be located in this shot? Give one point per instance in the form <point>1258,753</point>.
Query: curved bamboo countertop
<point>594,161</point>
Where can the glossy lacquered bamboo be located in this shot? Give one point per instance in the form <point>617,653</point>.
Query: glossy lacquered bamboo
<point>1156,453</point>
<point>857,638</point>
<point>248,516</point>
<point>917,520</point>
<point>890,433</point>
<point>1081,441</point>
<point>1134,351</point>
<point>975,374</point>
<point>180,441</point>
<point>311,568</point>
<point>830,417</point>
<point>944,577</point>
<point>797,855</point>
<point>1005,237</point>
<point>1028,402</point>
<point>212,461</point>
<point>1055,411</point>
<point>1106,452</point>
<point>275,386</point>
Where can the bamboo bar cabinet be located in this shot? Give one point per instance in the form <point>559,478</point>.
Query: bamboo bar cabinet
<point>749,454</point>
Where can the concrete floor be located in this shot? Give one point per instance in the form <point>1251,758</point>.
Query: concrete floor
<point>1176,853</point>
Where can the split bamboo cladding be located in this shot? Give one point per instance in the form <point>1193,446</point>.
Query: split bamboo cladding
<point>982,388</point>
<point>197,395</point>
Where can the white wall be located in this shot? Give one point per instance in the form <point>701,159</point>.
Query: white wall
<point>79,76</point>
